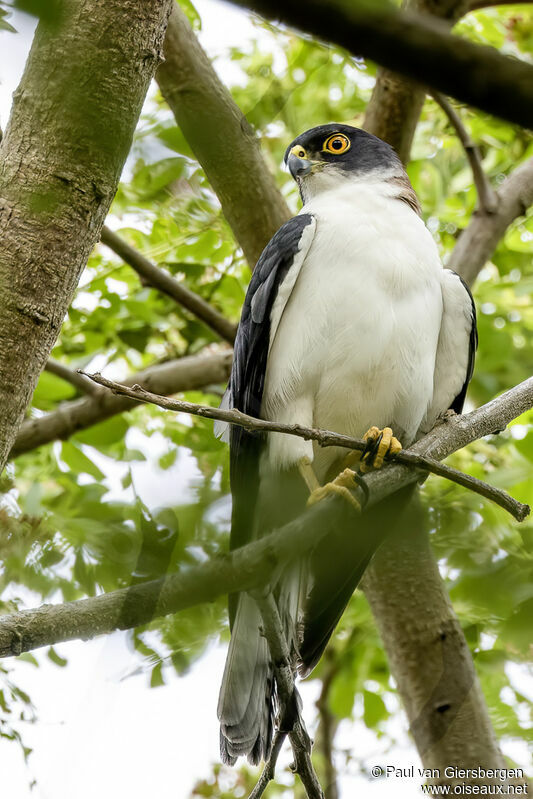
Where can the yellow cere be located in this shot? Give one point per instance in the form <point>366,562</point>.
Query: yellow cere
<point>336,144</point>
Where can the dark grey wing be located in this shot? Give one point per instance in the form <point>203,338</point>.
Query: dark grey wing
<point>245,390</point>
<point>247,693</point>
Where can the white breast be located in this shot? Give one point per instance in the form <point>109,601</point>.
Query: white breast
<point>356,342</point>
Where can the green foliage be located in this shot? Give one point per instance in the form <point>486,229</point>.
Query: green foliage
<point>80,516</point>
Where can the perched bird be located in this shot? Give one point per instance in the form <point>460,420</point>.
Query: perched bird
<point>350,323</point>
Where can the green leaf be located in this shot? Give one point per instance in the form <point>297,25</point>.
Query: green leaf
<point>27,657</point>
<point>157,679</point>
<point>105,433</point>
<point>374,709</point>
<point>78,462</point>
<point>56,658</point>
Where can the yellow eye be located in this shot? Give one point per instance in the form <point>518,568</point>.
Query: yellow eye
<point>336,144</point>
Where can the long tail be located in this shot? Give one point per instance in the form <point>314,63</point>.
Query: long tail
<point>336,568</point>
<point>246,703</point>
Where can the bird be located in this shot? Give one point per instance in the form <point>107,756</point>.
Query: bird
<point>350,323</point>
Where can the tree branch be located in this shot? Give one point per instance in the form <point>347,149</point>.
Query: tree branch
<point>324,438</point>
<point>76,379</point>
<point>269,769</point>
<point>477,241</point>
<point>290,718</point>
<point>232,158</point>
<point>161,280</point>
<point>171,377</point>
<point>328,723</point>
<point>487,197</point>
<point>252,565</point>
<point>396,103</point>
<point>414,46</point>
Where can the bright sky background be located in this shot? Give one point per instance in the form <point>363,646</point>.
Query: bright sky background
<point>102,732</point>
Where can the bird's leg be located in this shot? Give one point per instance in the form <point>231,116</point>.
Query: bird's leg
<point>339,486</point>
<point>379,444</point>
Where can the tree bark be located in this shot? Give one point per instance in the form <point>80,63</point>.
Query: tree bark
<point>221,138</point>
<point>61,156</point>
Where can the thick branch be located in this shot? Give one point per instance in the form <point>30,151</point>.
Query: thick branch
<point>59,172</point>
<point>221,138</point>
<point>487,198</point>
<point>477,242</point>
<point>161,280</point>
<point>417,47</point>
<point>250,566</point>
<point>324,438</point>
<point>182,374</point>
<point>79,381</point>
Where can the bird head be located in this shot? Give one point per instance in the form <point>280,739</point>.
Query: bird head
<point>325,156</point>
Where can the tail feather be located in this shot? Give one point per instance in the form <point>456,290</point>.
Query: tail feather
<point>336,568</point>
<point>246,702</point>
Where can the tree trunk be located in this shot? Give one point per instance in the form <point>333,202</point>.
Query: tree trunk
<point>70,131</point>
<point>429,656</point>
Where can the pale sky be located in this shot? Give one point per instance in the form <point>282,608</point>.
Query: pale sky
<point>100,732</point>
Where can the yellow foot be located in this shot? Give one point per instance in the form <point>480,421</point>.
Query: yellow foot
<point>381,443</point>
<point>340,486</point>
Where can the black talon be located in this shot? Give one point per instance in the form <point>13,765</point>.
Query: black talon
<point>368,446</point>
<point>361,482</point>
<point>371,449</point>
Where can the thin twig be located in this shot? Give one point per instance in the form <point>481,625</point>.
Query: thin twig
<point>165,283</point>
<point>325,438</point>
<point>487,197</point>
<point>290,717</point>
<point>328,723</point>
<point>269,770</point>
<point>75,378</point>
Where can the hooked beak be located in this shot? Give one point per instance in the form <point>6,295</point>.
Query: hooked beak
<point>299,167</point>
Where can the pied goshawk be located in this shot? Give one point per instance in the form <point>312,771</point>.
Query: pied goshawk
<point>351,324</point>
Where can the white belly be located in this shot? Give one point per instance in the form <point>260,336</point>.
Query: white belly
<point>357,340</point>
